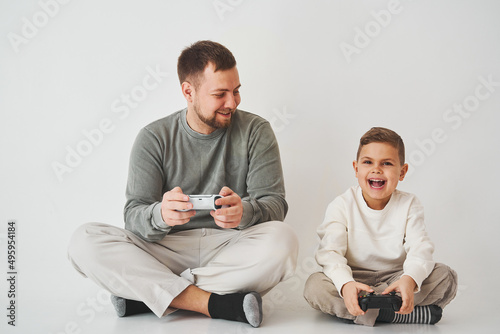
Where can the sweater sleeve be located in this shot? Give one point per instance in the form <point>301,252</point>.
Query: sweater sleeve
<point>144,188</point>
<point>265,182</point>
<point>333,245</point>
<point>418,246</point>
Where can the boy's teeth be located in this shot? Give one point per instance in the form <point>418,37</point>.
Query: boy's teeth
<point>377,183</point>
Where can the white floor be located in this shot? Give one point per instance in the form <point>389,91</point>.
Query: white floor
<point>61,308</point>
<point>280,322</point>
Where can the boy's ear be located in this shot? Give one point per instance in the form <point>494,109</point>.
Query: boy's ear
<point>404,170</point>
<point>355,166</point>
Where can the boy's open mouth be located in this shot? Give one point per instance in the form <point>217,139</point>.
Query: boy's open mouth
<point>375,183</point>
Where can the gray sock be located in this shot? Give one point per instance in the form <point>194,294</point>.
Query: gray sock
<point>245,307</point>
<point>125,307</point>
<point>119,304</point>
<point>252,306</point>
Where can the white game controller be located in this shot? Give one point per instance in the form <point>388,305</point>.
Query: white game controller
<point>204,202</point>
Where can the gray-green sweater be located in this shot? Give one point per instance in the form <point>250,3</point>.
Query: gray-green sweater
<point>168,153</point>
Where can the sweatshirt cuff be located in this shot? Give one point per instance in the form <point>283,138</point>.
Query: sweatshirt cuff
<point>340,277</point>
<point>247,217</point>
<point>157,220</point>
<point>418,275</point>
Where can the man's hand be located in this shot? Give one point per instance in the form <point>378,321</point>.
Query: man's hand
<point>406,286</point>
<point>350,292</point>
<point>228,217</point>
<point>174,200</point>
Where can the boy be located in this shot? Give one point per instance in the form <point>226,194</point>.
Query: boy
<point>373,239</point>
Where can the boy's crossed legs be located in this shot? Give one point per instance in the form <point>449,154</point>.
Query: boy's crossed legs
<point>436,291</point>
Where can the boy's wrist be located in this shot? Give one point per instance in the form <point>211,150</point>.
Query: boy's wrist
<point>410,282</point>
<point>343,286</point>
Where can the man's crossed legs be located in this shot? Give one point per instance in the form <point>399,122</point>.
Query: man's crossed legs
<point>219,273</point>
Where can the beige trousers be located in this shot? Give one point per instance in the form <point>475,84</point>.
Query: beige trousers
<point>438,289</point>
<point>220,261</point>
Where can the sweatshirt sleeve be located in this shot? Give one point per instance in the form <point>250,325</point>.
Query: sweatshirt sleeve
<point>144,188</point>
<point>265,182</point>
<point>418,246</point>
<point>333,245</point>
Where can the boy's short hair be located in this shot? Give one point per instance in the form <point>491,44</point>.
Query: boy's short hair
<point>195,58</point>
<point>383,135</point>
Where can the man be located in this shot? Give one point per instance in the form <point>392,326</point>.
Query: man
<point>217,263</point>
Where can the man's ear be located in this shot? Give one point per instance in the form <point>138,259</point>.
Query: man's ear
<point>404,170</point>
<point>187,91</point>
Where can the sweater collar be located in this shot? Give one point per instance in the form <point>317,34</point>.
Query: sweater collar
<point>197,135</point>
<point>361,200</point>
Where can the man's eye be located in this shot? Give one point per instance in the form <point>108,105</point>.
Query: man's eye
<point>218,95</point>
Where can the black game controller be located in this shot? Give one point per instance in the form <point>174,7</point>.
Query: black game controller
<point>372,300</point>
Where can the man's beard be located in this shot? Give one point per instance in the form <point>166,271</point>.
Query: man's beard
<point>212,121</point>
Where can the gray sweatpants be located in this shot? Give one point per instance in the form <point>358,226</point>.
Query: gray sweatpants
<point>438,289</point>
<point>220,261</point>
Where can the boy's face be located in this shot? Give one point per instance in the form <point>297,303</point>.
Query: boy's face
<point>378,171</point>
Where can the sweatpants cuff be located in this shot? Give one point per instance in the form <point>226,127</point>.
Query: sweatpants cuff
<point>162,305</point>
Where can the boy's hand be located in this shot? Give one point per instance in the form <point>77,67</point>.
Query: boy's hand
<point>406,286</point>
<point>350,292</point>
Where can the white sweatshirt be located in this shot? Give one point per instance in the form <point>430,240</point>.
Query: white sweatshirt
<point>355,236</point>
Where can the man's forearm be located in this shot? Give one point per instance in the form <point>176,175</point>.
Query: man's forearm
<point>267,208</point>
<point>142,219</point>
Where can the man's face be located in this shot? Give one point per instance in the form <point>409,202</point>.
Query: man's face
<point>214,100</point>
<point>378,170</point>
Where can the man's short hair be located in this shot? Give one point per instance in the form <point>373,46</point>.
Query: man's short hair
<point>383,135</point>
<point>195,58</point>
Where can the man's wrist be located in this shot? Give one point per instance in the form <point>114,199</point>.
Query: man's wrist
<point>247,216</point>
<point>157,219</point>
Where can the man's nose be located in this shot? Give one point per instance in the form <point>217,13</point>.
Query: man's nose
<point>230,102</point>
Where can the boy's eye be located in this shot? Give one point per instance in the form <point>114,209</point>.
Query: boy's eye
<point>367,162</point>
<point>387,163</point>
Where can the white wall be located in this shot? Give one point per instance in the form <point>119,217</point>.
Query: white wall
<point>323,72</point>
